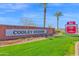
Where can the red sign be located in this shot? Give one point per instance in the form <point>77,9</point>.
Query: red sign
<point>71,22</point>
<point>71,28</point>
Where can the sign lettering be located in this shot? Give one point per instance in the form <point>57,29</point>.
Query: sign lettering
<point>18,32</point>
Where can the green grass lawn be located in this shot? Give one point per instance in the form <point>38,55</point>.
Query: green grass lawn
<point>53,46</point>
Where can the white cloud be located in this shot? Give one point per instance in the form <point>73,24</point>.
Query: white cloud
<point>9,21</point>
<point>12,7</point>
<point>55,4</point>
<point>33,15</point>
<point>71,15</point>
<point>17,6</point>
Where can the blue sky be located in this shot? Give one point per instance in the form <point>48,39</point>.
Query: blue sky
<point>12,14</point>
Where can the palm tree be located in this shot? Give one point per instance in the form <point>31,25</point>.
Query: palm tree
<point>58,14</point>
<point>44,15</point>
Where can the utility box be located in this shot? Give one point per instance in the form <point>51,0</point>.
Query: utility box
<point>71,27</point>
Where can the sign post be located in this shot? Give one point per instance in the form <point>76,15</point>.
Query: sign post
<point>71,27</point>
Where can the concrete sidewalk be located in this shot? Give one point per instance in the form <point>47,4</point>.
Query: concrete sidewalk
<point>77,49</point>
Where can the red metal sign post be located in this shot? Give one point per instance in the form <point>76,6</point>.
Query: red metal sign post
<point>71,27</point>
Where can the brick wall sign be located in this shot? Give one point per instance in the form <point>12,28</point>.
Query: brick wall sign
<point>19,32</point>
<point>71,27</point>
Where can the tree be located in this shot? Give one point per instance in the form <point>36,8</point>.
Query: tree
<point>44,20</point>
<point>27,22</point>
<point>58,14</point>
<point>50,26</point>
<point>44,15</point>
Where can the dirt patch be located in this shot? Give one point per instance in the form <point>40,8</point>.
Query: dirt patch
<point>19,41</point>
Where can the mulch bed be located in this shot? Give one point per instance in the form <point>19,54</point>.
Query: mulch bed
<point>19,41</point>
